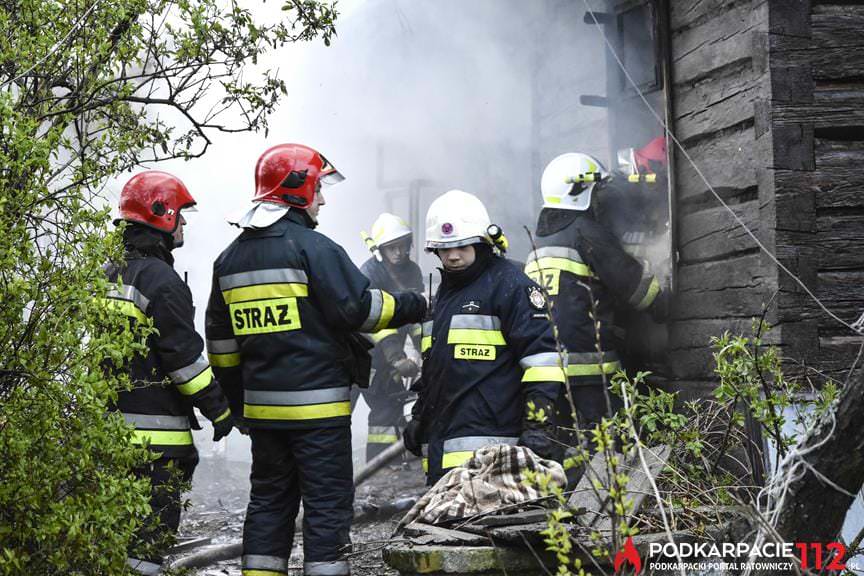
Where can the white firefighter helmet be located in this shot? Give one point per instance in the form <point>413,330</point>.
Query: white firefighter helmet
<point>389,228</point>
<point>569,179</point>
<point>456,218</point>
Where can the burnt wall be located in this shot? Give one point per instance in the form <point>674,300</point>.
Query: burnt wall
<point>718,71</point>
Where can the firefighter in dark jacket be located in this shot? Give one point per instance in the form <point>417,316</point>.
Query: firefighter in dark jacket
<point>490,368</point>
<point>390,268</point>
<point>578,260</point>
<point>174,376</point>
<point>285,305</point>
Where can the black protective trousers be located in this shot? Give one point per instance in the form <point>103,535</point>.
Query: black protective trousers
<point>289,465</point>
<point>386,400</point>
<point>167,477</point>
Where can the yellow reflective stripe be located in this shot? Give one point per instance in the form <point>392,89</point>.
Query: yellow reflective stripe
<point>425,343</point>
<point>382,334</point>
<point>473,336</point>
<point>223,416</point>
<point>197,384</point>
<point>382,438</point>
<point>265,291</point>
<point>425,464</point>
<point>453,459</point>
<point>388,308</point>
<point>552,199</point>
<point>555,263</point>
<point>307,412</point>
<point>162,437</point>
<point>544,374</point>
<point>225,360</point>
<point>125,307</point>
<point>262,573</point>
<point>593,369</point>
<point>653,290</point>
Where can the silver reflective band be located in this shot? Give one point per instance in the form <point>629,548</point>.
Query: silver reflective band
<point>271,276</point>
<point>131,294</point>
<point>542,359</point>
<point>189,372</point>
<point>228,346</point>
<point>157,422</point>
<point>554,252</point>
<point>435,244</point>
<point>261,562</point>
<point>591,357</point>
<point>382,430</point>
<point>427,328</point>
<point>471,443</point>
<point>335,568</point>
<point>143,567</point>
<point>424,450</point>
<point>375,308</point>
<point>475,321</point>
<point>296,397</point>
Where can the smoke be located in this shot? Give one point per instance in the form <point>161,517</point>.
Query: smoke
<point>413,98</point>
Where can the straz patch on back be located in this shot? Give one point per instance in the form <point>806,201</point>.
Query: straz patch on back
<point>474,352</point>
<point>548,278</point>
<point>264,316</point>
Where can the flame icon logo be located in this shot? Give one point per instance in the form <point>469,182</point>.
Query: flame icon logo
<point>628,555</point>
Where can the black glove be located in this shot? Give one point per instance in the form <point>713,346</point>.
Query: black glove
<point>539,443</point>
<point>222,428</point>
<point>411,438</point>
<point>406,368</point>
<point>538,432</point>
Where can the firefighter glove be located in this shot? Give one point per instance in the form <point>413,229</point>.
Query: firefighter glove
<point>406,368</point>
<point>222,428</point>
<point>411,438</point>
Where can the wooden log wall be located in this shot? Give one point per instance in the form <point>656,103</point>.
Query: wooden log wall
<point>718,76</point>
<point>816,179</point>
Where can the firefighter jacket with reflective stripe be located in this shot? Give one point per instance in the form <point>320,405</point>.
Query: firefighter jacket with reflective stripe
<point>576,260</point>
<point>285,304</point>
<point>174,375</point>
<point>389,344</point>
<point>489,349</point>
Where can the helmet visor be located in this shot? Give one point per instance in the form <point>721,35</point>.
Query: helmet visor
<point>329,174</point>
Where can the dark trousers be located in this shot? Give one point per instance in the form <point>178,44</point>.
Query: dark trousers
<point>166,475</point>
<point>385,397</point>
<point>289,465</point>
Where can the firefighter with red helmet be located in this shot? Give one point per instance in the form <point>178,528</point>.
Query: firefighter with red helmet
<point>174,375</point>
<point>281,322</point>
<point>586,273</point>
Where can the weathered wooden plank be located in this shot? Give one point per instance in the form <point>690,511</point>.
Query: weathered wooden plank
<point>714,232</point>
<point>729,21</point>
<point>829,187</point>
<point>720,85</point>
<point>685,14</point>
<point>837,353</point>
<point>734,109</point>
<point>842,292</point>
<point>840,242</point>
<point>838,154</point>
<point>699,63</point>
<point>826,62</point>
<point>429,534</point>
<point>686,334</point>
<point>737,170</point>
<point>707,304</point>
<point>829,110</point>
<point>837,25</point>
<point>526,517</point>
<point>743,271</point>
<point>692,363</point>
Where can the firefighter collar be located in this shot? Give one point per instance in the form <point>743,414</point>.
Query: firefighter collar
<point>258,216</point>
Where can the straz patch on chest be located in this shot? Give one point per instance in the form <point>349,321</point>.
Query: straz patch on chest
<point>473,352</point>
<point>264,316</point>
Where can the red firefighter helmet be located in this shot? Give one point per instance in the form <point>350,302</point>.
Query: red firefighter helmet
<point>288,174</point>
<point>154,198</point>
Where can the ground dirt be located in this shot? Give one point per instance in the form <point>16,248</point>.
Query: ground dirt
<point>217,506</point>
